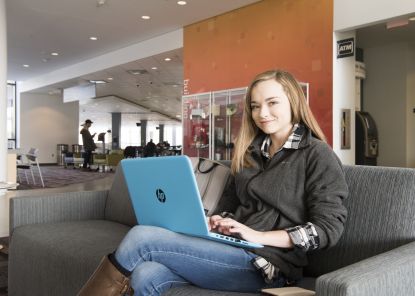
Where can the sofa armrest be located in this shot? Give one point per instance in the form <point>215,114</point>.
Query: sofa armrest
<point>389,273</point>
<point>58,207</point>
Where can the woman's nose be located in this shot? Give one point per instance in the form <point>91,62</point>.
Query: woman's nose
<point>263,111</point>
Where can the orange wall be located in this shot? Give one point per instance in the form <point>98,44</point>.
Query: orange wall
<point>227,51</point>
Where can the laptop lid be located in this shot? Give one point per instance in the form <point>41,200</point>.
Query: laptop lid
<point>164,193</point>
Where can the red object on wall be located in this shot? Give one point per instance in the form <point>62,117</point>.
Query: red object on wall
<point>227,51</point>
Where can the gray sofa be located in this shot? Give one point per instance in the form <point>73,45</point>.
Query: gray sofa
<point>58,240</point>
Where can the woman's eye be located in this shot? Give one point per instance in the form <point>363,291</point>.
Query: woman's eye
<point>273,102</point>
<point>254,107</point>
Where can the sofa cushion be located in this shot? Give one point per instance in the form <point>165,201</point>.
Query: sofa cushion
<point>64,254</point>
<point>192,291</point>
<point>381,206</point>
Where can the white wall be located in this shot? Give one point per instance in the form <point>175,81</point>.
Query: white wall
<point>385,98</point>
<point>343,98</point>
<point>351,14</point>
<point>46,121</point>
<point>3,93</point>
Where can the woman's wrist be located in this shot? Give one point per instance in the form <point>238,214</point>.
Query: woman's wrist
<point>275,238</point>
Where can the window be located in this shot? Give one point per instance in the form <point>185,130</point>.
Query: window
<point>130,132</point>
<point>11,114</point>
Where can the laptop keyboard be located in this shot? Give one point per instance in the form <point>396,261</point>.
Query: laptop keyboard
<point>230,238</point>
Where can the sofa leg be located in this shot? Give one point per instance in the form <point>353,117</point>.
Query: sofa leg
<point>106,280</point>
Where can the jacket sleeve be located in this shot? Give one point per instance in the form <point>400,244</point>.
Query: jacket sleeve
<point>326,188</point>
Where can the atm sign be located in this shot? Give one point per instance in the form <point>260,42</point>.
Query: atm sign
<point>345,48</point>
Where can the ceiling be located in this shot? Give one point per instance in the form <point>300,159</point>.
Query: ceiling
<point>377,35</point>
<point>37,28</point>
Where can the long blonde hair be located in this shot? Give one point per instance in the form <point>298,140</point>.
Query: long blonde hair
<point>300,113</point>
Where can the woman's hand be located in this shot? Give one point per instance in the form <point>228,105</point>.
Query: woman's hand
<point>229,226</point>
<point>212,222</point>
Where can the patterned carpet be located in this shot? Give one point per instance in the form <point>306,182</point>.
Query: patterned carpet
<point>3,265</point>
<point>57,176</point>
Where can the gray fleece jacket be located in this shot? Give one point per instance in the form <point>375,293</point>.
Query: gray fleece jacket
<point>294,187</point>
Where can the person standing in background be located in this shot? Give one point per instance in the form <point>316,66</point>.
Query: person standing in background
<point>89,144</point>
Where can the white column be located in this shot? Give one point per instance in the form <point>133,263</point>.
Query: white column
<point>343,97</point>
<point>3,93</point>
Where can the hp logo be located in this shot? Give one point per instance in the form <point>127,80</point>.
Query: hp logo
<point>160,195</point>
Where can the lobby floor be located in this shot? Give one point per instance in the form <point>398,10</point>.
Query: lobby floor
<point>98,184</point>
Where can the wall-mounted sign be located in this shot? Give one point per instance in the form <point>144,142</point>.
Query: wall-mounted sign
<point>345,48</point>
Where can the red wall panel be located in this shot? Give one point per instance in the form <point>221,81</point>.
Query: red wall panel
<point>227,51</point>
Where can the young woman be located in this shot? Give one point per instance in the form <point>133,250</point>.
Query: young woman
<point>289,187</point>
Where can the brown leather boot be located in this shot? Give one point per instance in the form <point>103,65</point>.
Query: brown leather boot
<point>106,280</point>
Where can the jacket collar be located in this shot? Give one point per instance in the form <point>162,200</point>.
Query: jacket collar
<point>255,147</point>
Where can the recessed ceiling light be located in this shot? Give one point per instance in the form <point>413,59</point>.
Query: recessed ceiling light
<point>145,17</point>
<point>101,2</point>
<point>167,59</point>
<point>98,81</point>
<point>93,38</point>
<point>137,71</point>
<point>181,2</point>
<point>54,54</point>
<point>178,116</point>
<point>412,18</point>
<point>26,66</point>
<point>110,78</point>
<point>154,68</point>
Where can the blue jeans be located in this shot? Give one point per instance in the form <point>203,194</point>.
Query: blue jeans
<point>160,259</point>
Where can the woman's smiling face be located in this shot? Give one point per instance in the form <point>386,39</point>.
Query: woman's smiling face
<point>271,109</point>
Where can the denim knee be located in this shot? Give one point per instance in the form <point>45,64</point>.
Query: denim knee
<point>151,278</point>
<point>137,243</point>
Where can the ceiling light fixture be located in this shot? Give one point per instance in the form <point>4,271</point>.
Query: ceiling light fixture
<point>145,17</point>
<point>26,65</point>
<point>167,59</point>
<point>396,23</point>
<point>110,78</point>
<point>137,71</point>
<point>101,2</point>
<point>93,38</point>
<point>154,68</point>
<point>54,54</point>
<point>98,81</point>
<point>181,2</point>
<point>412,18</point>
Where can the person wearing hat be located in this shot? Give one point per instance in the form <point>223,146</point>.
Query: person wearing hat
<point>89,144</point>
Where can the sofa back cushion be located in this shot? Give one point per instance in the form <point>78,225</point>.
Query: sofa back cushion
<point>118,207</point>
<point>381,211</point>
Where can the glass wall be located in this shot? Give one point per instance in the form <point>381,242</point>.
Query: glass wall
<point>131,133</point>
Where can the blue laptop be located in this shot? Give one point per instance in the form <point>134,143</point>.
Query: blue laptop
<point>164,193</point>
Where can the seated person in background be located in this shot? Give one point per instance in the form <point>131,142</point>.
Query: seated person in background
<point>150,149</point>
<point>88,142</point>
<point>288,187</point>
